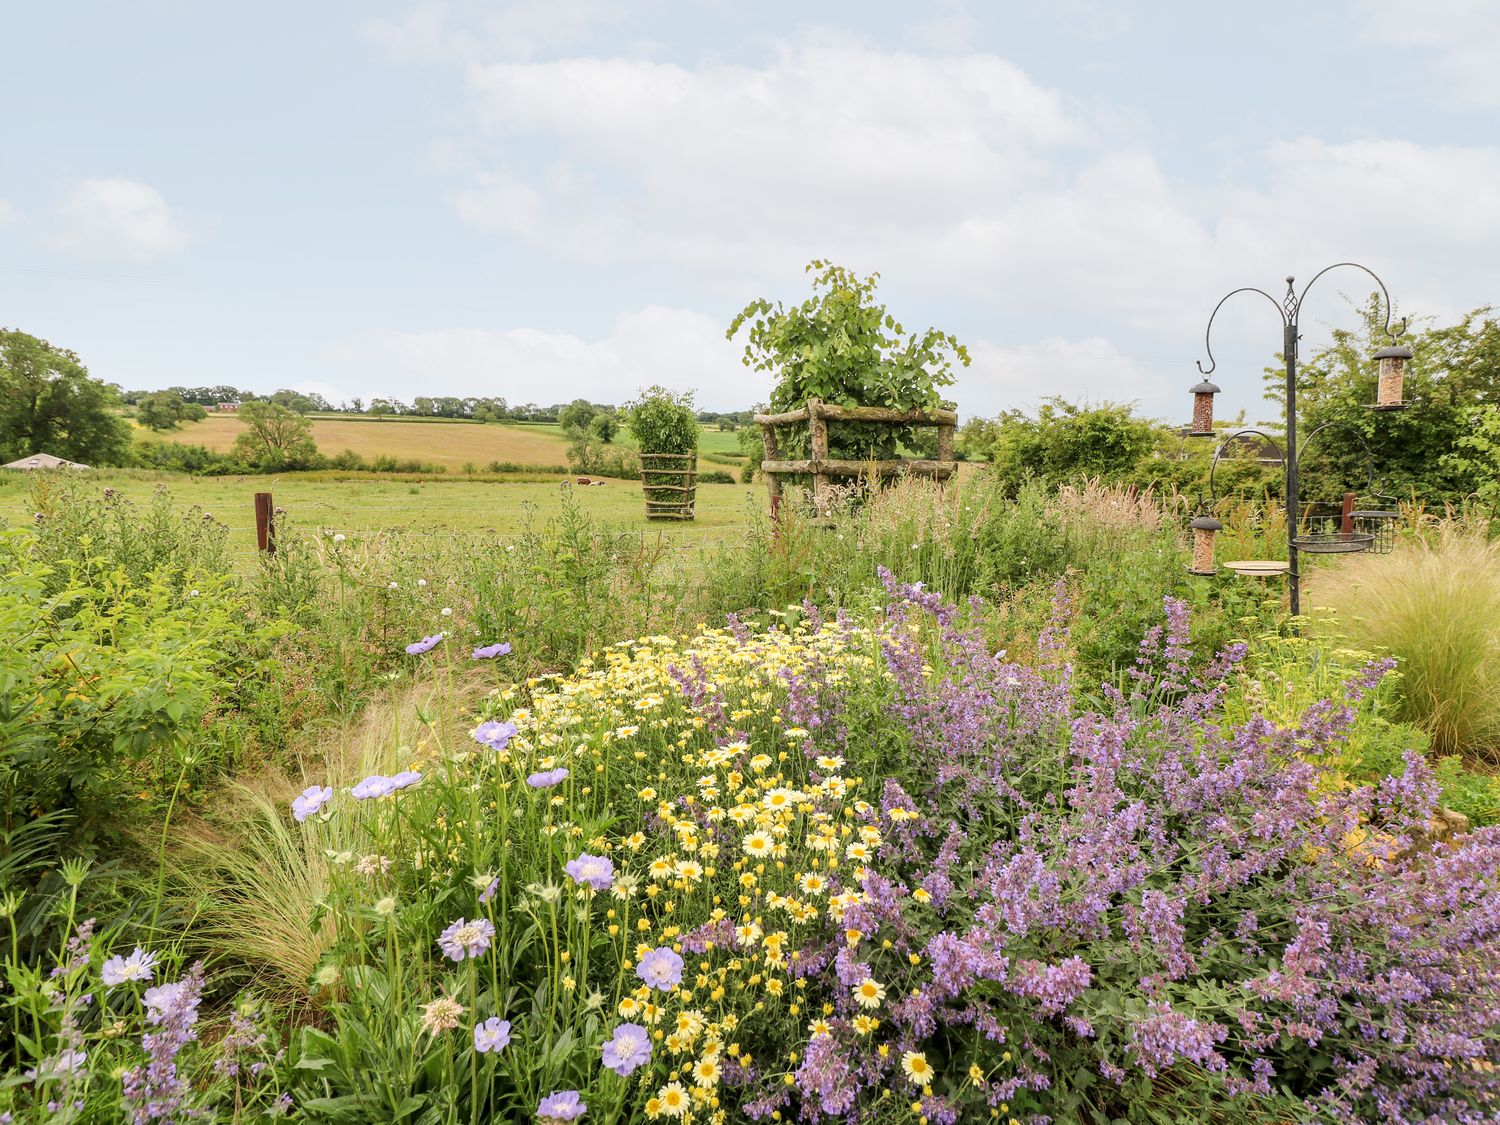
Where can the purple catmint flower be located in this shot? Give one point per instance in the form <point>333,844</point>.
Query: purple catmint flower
<point>310,802</point>
<point>494,734</point>
<point>627,1049</point>
<point>155,1091</point>
<point>489,652</point>
<point>594,871</point>
<point>546,779</point>
<point>464,939</point>
<point>491,1035</point>
<point>426,644</point>
<point>562,1106</point>
<point>127,970</point>
<point>661,968</point>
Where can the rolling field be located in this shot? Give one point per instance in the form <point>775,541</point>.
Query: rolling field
<point>441,442</point>
<point>364,506</point>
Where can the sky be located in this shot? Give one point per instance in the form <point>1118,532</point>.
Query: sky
<point>551,199</point>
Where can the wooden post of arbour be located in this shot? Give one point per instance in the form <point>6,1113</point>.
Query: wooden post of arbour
<point>773,481</point>
<point>265,523</point>
<point>945,443</point>
<point>818,454</point>
<point>1346,520</point>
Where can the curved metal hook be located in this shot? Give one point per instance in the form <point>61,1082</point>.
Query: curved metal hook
<point>1208,347</point>
<point>1246,432</point>
<point>1369,455</point>
<point>1400,329</point>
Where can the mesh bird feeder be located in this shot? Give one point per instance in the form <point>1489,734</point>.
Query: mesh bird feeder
<point>1392,377</point>
<point>1205,527</point>
<point>1203,409</point>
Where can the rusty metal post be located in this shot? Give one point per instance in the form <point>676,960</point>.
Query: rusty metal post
<point>265,523</point>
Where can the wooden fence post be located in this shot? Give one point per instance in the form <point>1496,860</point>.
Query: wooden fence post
<point>818,453</point>
<point>773,482</point>
<point>265,523</point>
<point>1346,520</point>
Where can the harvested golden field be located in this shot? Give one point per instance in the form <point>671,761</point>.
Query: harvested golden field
<point>440,442</point>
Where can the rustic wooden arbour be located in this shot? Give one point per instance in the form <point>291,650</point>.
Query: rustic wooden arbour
<point>670,482</point>
<point>817,414</point>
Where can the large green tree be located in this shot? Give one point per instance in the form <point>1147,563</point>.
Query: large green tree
<point>49,404</point>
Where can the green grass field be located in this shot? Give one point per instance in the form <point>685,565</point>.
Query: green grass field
<point>364,506</point>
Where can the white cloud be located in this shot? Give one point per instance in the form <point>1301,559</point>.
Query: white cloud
<point>676,347</point>
<point>1000,378</point>
<point>8,214</point>
<point>116,219</point>
<point>1462,38</point>
<point>829,148</point>
<point>959,177</point>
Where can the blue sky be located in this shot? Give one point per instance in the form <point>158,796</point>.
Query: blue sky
<point>573,197</point>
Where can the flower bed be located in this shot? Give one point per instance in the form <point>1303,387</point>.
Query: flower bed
<point>871,871</point>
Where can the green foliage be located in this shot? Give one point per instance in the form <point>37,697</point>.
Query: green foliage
<point>48,404</point>
<point>1453,377</point>
<point>843,347</point>
<point>577,415</point>
<point>604,427</point>
<point>1477,457</point>
<point>275,438</point>
<point>106,684</point>
<point>662,421</point>
<point>1067,442</point>
<point>165,410</point>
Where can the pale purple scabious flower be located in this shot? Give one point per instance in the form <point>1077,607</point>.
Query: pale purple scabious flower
<point>312,800</point>
<point>595,871</point>
<point>565,1105</point>
<point>494,734</point>
<point>661,968</point>
<point>466,939</point>
<point>404,779</point>
<point>126,970</point>
<point>546,779</point>
<point>491,1035</point>
<point>426,644</point>
<point>489,891</point>
<point>489,652</point>
<point>376,785</point>
<point>629,1048</point>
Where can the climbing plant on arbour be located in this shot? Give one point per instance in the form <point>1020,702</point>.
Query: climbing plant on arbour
<point>842,346</point>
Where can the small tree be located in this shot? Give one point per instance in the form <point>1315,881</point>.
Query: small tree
<point>604,427</point>
<point>662,421</point>
<point>160,411</point>
<point>576,415</point>
<point>275,437</point>
<point>843,347</point>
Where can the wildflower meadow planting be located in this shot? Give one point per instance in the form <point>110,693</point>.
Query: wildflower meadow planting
<point>893,855</point>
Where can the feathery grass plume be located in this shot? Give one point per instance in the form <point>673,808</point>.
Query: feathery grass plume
<point>1434,604</point>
